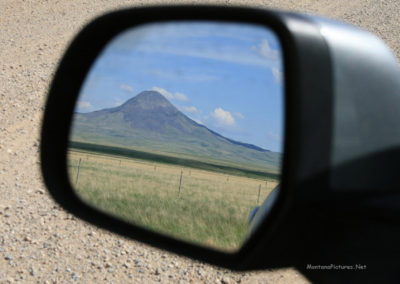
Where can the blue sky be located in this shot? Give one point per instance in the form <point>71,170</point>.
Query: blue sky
<point>226,76</point>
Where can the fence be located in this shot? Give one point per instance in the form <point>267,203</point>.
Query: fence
<point>255,193</point>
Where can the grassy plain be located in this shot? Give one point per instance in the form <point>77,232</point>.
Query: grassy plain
<point>212,208</point>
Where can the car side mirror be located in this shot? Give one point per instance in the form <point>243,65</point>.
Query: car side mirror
<point>194,110</point>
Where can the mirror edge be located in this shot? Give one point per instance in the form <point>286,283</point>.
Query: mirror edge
<point>65,89</point>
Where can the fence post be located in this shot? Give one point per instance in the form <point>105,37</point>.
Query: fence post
<point>77,175</point>
<point>259,190</point>
<point>180,183</point>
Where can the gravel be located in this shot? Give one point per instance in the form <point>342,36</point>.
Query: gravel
<point>39,241</point>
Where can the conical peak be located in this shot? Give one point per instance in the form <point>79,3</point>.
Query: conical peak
<point>148,100</point>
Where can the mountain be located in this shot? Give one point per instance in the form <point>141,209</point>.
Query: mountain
<point>149,121</point>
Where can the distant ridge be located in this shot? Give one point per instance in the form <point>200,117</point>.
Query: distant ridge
<point>150,120</point>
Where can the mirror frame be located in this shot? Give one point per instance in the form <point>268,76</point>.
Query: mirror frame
<point>304,52</point>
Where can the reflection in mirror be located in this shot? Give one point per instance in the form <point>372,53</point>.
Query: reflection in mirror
<point>178,128</point>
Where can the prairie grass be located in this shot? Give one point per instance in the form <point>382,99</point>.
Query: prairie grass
<point>211,209</point>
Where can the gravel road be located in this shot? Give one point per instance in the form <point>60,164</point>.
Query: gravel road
<point>39,241</point>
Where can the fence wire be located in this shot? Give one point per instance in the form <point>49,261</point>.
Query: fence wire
<point>182,176</point>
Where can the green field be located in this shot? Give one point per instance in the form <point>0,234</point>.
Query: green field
<point>211,207</point>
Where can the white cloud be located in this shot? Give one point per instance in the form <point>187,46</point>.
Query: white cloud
<point>118,102</point>
<point>264,55</point>
<point>223,117</point>
<point>180,97</point>
<point>126,87</point>
<point>170,96</point>
<point>278,75</point>
<point>266,51</point>
<point>239,115</point>
<point>198,121</point>
<point>189,76</point>
<point>190,109</point>
<point>163,92</point>
<point>85,105</point>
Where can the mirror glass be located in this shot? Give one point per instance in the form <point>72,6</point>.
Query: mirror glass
<point>178,128</point>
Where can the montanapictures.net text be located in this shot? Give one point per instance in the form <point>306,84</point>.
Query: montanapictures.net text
<point>337,267</point>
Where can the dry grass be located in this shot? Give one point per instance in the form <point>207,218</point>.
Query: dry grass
<point>212,208</point>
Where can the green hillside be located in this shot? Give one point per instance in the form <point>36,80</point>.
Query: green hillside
<point>149,122</point>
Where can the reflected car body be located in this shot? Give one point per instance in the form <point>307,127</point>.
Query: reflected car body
<point>259,213</point>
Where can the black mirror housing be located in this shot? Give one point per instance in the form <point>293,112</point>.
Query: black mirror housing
<point>313,203</point>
